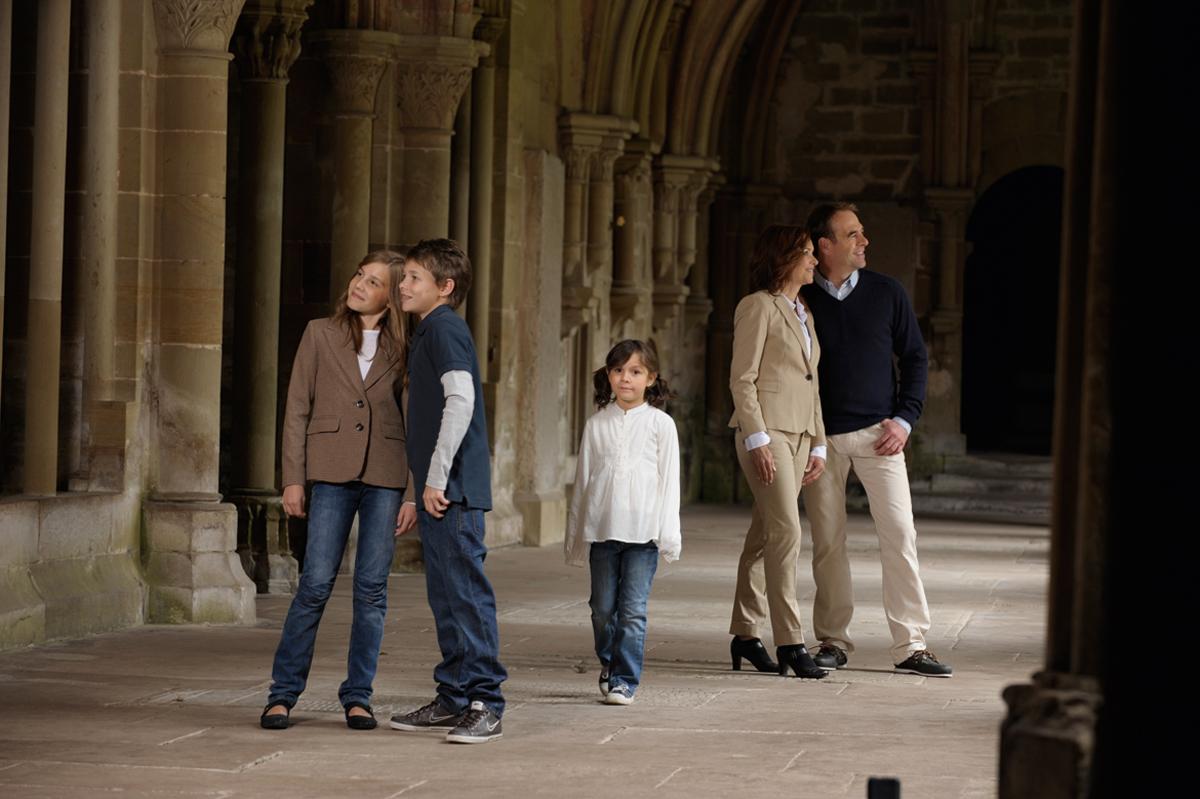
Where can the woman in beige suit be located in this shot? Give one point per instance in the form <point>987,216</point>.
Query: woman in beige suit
<point>780,441</point>
<point>343,432</point>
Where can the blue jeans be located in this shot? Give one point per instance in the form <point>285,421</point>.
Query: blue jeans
<point>621,578</point>
<point>464,609</point>
<point>330,514</point>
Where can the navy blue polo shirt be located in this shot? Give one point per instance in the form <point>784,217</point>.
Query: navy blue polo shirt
<point>442,343</point>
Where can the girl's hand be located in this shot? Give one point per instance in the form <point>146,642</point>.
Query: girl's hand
<point>764,464</point>
<point>406,519</point>
<point>814,469</point>
<point>293,501</point>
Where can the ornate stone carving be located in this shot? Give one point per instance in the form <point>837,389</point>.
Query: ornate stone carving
<point>195,24</point>
<point>428,93</point>
<point>355,61</point>
<point>267,40</point>
<point>577,160</point>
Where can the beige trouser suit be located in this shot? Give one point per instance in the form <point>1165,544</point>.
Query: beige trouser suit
<point>885,479</point>
<point>775,389</point>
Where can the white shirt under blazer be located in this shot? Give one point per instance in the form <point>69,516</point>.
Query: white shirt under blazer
<point>626,482</point>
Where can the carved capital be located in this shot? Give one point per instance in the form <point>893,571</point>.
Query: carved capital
<point>267,38</point>
<point>577,160</point>
<point>355,61</point>
<point>201,26</point>
<point>432,74</point>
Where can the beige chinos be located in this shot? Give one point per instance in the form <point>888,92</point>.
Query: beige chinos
<point>885,479</point>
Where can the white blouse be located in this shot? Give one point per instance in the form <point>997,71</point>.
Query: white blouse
<point>626,483</point>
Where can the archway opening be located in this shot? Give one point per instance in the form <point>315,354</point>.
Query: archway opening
<point>1010,308</point>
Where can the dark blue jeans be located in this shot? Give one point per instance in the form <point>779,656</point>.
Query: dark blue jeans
<point>464,609</point>
<point>621,577</point>
<point>330,514</point>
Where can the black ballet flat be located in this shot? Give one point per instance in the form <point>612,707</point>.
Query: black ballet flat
<point>360,722</point>
<point>753,651</point>
<point>275,721</point>
<point>796,658</point>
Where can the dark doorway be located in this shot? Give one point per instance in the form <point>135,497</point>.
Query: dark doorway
<point>1010,312</point>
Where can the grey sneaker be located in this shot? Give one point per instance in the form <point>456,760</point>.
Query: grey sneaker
<point>604,679</point>
<point>830,657</point>
<point>477,726</point>
<point>620,694</point>
<point>924,663</point>
<point>430,717</point>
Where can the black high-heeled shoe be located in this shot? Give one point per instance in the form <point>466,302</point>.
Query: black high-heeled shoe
<point>796,658</point>
<point>753,651</point>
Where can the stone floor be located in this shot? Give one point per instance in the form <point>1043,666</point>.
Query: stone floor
<point>173,711</point>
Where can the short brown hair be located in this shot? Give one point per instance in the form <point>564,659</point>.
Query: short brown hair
<point>775,255</point>
<point>445,260</point>
<point>818,220</point>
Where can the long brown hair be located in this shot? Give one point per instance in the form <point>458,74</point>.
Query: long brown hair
<point>657,393</point>
<point>393,334</point>
<point>775,255</point>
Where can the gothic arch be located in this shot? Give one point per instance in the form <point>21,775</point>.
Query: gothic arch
<point>1019,131</point>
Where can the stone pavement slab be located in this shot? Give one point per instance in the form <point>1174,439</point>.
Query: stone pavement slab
<point>173,711</point>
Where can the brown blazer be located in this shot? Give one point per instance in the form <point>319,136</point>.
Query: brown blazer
<point>338,427</point>
<point>774,383</point>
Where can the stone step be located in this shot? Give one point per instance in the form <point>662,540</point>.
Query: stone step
<point>1039,487</point>
<point>1000,464</point>
<point>987,507</point>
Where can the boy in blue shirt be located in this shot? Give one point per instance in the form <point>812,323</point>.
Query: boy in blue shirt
<point>448,455</point>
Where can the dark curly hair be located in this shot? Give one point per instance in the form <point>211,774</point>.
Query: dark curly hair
<point>657,393</point>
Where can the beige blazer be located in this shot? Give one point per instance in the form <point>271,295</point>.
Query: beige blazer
<point>338,427</point>
<point>774,383</point>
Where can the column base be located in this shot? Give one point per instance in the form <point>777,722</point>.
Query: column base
<point>544,517</point>
<point>1048,736</point>
<point>262,542</point>
<point>719,473</point>
<point>192,568</point>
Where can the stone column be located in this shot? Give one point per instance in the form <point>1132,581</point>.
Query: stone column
<point>591,144</point>
<point>267,43</point>
<point>678,181</point>
<point>46,248</point>
<point>190,536</point>
<point>5,93</point>
<point>632,288</point>
<point>432,72</point>
<point>1055,723</point>
<point>355,60</point>
<point>482,97</point>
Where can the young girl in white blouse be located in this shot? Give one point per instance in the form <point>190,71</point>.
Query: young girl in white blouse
<point>625,508</point>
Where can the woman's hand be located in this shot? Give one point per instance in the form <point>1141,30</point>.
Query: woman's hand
<point>764,464</point>
<point>813,470</point>
<point>406,519</point>
<point>293,501</point>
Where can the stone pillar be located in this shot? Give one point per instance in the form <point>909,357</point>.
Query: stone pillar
<point>46,248</point>
<point>5,93</point>
<point>632,288</point>
<point>591,145</point>
<point>355,60</point>
<point>460,177</point>
<point>538,491</point>
<point>678,181</point>
<point>482,96</point>
<point>190,536</point>
<point>431,75</point>
<point>1056,723</point>
<point>267,43</point>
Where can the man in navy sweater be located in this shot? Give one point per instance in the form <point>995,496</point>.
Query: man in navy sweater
<point>863,321</point>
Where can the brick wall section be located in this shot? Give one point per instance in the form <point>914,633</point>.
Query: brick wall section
<point>1033,38</point>
<point>847,102</point>
<point>849,123</point>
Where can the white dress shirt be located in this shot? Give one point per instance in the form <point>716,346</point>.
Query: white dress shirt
<point>626,483</point>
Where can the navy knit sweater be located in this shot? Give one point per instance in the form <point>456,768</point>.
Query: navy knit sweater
<point>858,337</point>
